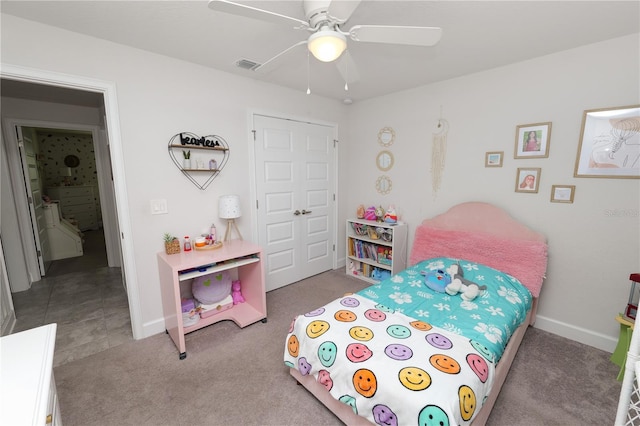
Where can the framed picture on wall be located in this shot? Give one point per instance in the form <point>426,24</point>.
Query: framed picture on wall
<point>562,193</point>
<point>528,179</point>
<point>609,143</point>
<point>532,140</point>
<point>493,159</point>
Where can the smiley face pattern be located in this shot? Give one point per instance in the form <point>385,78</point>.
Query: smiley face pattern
<point>401,353</point>
<point>387,367</point>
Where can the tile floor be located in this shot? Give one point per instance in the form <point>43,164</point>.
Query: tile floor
<point>90,307</point>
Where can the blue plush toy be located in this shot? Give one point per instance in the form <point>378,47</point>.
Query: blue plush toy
<point>380,274</point>
<point>437,280</point>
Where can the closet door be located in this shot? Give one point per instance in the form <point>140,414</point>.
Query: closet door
<point>295,198</point>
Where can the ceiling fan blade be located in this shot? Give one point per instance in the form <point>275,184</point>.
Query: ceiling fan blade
<point>269,65</point>
<point>254,13</point>
<point>342,10</point>
<point>415,36</point>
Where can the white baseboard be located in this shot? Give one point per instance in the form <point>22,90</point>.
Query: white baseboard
<point>154,327</point>
<point>579,334</point>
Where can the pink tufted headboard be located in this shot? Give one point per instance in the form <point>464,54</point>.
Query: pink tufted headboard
<point>483,233</point>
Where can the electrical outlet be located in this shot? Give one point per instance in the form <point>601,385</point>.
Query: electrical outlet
<point>159,206</point>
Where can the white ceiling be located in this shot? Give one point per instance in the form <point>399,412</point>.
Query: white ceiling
<point>477,35</point>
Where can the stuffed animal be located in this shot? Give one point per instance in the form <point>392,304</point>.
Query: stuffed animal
<point>236,294</point>
<point>380,274</point>
<point>352,268</point>
<point>370,213</point>
<point>360,212</point>
<point>390,216</point>
<point>437,280</point>
<point>459,284</point>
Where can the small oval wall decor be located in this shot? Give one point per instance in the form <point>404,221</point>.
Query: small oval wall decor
<point>199,158</point>
<point>71,161</point>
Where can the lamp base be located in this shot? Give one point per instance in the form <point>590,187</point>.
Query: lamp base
<point>227,234</point>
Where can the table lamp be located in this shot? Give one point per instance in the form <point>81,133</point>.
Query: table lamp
<point>229,208</point>
<point>66,173</point>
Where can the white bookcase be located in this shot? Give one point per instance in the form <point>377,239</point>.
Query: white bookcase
<point>375,246</point>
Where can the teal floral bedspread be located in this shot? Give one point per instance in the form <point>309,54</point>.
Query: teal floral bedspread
<point>489,320</point>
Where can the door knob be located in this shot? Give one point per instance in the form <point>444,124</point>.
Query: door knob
<point>297,212</point>
<point>306,211</point>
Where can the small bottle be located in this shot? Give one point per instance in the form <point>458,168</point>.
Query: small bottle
<point>187,243</point>
<point>212,233</point>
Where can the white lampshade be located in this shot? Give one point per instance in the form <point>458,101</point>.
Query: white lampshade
<point>65,171</point>
<point>229,207</point>
<point>327,45</point>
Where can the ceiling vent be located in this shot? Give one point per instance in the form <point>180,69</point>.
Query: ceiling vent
<point>247,64</point>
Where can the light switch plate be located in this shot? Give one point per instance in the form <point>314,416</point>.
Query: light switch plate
<point>159,206</point>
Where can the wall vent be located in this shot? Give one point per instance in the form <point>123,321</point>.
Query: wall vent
<point>247,64</point>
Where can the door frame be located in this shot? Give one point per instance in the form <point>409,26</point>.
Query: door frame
<point>253,189</point>
<point>112,125</point>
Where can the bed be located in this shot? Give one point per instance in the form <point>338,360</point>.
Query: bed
<point>404,352</point>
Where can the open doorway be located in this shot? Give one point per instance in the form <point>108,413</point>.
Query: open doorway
<point>29,89</point>
<point>61,165</point>
<point>73,238</point>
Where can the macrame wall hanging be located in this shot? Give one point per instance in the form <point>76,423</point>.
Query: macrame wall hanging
<point>438,154</point>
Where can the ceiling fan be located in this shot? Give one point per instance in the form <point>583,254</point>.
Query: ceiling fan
<point>324,20</point>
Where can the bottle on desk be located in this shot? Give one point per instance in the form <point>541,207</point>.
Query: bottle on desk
<point>212,233</point>
<point>187,243</point>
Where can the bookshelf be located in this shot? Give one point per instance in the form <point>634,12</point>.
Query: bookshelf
<point>375,248</point>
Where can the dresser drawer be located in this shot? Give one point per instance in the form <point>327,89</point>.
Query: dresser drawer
<point>70,191</point>
<point>75,201</point>
<point>82,208</point>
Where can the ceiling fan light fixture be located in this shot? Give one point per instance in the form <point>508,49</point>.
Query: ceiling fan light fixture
<point>327,45</point>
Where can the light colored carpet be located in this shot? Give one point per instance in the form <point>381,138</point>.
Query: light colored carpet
<point>234,376</point>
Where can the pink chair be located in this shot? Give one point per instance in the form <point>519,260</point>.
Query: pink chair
<point>632,306</point>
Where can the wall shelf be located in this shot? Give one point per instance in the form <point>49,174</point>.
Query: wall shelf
<point>203,150</point>
<point>207,148</point>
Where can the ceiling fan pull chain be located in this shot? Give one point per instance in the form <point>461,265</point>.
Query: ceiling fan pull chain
<point>346,76</point>
<point>308,88</point>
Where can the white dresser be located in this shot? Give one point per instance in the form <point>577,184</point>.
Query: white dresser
<point>28,393</point>
<point>77,203</point>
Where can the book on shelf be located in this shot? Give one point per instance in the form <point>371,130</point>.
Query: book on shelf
<point>384,255</point>
<point>370,251</point>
